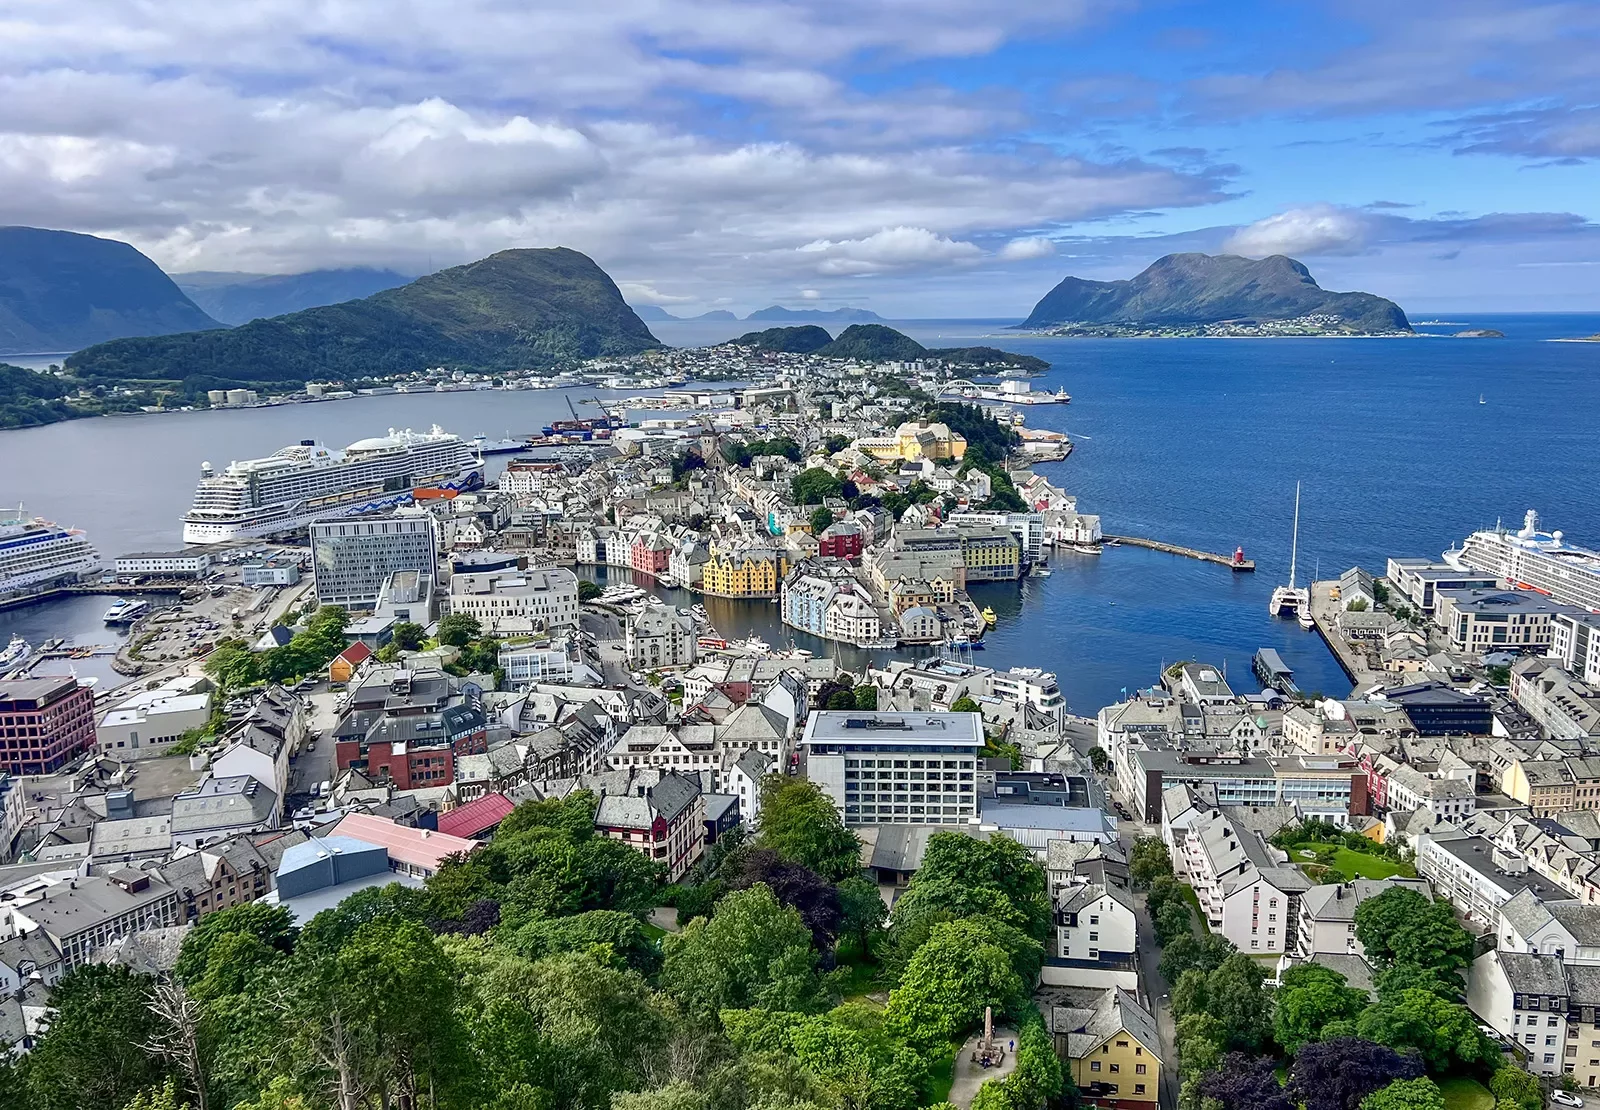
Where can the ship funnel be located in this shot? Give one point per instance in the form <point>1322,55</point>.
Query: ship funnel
<point>205,470</point>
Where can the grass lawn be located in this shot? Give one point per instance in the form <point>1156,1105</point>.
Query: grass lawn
<point>653,931</point>
<point>1353,864</point>
<point>1464,1093</point>
<point>941,1077</point>
<point>854,981</point>
<point>1194,904</point>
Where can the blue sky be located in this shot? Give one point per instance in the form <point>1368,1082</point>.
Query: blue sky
<point>929,158</point>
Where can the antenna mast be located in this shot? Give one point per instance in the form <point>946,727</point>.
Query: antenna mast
<point>1294,544</point>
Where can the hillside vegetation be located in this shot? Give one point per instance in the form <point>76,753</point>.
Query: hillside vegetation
<point>513,310</point>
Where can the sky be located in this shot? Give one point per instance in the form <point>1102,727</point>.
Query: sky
<point>922,158</point>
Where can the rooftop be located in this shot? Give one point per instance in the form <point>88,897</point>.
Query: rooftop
<point>841,726</point>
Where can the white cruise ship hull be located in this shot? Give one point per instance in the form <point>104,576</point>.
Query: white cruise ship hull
<point>283,520</point>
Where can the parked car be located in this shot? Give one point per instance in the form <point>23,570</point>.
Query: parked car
<point>1565,1098</point>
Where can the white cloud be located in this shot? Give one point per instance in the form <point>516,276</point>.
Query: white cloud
<point>890,249</point>
<point>810,295</point>
<point>637,292</point>
<point>1026,248</point>
<point>1316,229</point>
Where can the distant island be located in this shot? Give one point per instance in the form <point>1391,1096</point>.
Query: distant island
<point>1213,295</point>
<point>60,291</point>
<point>1595,338</point>
<point>656,312</point>
<point>1480,333</point>
<point>515,310</point>
<point>238,298</point>
<point>841,315</point>
<point>877,343</point>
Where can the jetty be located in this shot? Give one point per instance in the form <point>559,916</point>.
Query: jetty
<point>1235,562</point>
<point>1325,615</point>
<point>93,588</point>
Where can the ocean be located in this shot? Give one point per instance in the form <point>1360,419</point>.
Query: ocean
<point>1194,441</point>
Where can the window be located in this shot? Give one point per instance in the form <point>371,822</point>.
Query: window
<point>1140,1069</point>
<point>1138,1088</point>
<point>1094,1065</point>
<point>1116,1067</point>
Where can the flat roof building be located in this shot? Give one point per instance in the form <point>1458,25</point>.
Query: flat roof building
<point>896,768</point>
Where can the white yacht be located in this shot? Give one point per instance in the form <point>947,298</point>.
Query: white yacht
<point>1291,600</point>
<point>126,612</point>
<point>287,490</point>
<point>36,553</point>
<point>17,652</point>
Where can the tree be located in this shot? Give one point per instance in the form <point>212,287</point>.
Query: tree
<point>796,886</point>
<point>1310,997</point>
<point>1403,926</point>
<point>674,1096</point>
<point>864,911</point>
<point>948,983</point>
<point>409,636</point>
<point>1510,1084</point>
<point>619,936</point>
<point>1099,759</point>
<point>588,591</point>
<point>752,952</point>
<point>1406,1094</point>
<point>963,877</point>
<point>232,665</point>
<point>1232,995</point>
<point>92,1054</point>
<point>1200,1042</point>
<point>1245,1082</point>
<point>1444,1034</point>
<point>1149,860</point>
<point>821,517</point>
<point>1338,1074</point>
<point>964,704</point>
<point>270,926</point>
<point>164,1097</point>
<point>1205,953</point>
<point>459,629</point>
<point>811,486</point>
<point>1401,976</point>
<point>800,823</point>
<point>866,696</point>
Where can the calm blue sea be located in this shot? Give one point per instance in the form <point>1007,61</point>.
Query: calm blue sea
<point>1198,442</point>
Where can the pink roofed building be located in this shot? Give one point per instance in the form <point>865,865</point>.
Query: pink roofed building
<point>416,852</point>
<point>477,818</point>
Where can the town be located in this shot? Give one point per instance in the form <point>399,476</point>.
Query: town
<point>396,805</point>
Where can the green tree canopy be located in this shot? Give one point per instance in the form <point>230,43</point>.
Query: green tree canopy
<point>459,629</point>
<point>1444,1034</point>
<point>801,823</point>
<point>1308,999</point>
<point>1404,926</point>
<point>753,952</point>
<point>92,1054</point>
<point>811,486</point>
<point>409,636</point>
<point>1406,1094</point>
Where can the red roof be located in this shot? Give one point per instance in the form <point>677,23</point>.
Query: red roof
<point>477,816</point>
<point>356,654</point>
<point>419,848</point>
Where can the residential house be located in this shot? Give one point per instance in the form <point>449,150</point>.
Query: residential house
<point>1109,1045</point>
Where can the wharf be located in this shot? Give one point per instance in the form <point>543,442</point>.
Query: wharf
<point>1242,566</point>
<point>1325,614</point>
<point>93,588</point>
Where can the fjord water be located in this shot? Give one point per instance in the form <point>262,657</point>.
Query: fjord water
<point>1193,441</point>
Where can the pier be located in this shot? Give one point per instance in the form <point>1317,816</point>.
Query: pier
<point>1236,563</point>
<point>1325,614</point>
<point>94,588</point>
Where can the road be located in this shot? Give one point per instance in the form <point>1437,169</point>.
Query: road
<point>1156,992</point>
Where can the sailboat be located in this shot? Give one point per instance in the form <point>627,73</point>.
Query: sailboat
<point>1481,401</point>
<point>1292,600</point>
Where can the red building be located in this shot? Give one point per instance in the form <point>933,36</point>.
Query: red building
<point>403,763</point>
<point>650,554</point>
<point>843,539</point>
<point>44,723</point>
<point>407,727</point>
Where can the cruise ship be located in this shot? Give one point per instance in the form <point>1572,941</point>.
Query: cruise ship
<point>282,493</point>
<point>1533,560</point>
<point>36,554</point>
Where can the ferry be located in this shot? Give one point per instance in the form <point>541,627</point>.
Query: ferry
<point>284,492</point>
<point>36,554</point>
<point>16,653</point>
<point>483,445</point>
<point>126,612</point>
<point>989,617</point>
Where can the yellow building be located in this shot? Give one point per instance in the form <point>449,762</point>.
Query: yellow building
<point>1546,786</point>
<point>915,440</point>
<point>1108,1042</point>
<point>743,572</point>
<point>991,554</point>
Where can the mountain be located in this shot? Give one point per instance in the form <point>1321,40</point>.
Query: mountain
<point>800,340</point>
<point>239,298</point>
<point>778,312</point>
<point>715,314</point>
<point>652,312</point>
<point>60,291</point>
<point>514,310</point>
<point>877,343</point>
<point>873,343</point>
<point>1191,289</point>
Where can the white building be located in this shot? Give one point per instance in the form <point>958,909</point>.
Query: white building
<point>190,563</point>
<point>1327,924</point>
<point>1094,924</point>
<point>896,768</point>
<point>660,636</point>
<point>1575,641</point>
<point>517,600</point>
<point>147,724</point>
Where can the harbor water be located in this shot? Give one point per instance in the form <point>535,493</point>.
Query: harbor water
<point>1197,442</point>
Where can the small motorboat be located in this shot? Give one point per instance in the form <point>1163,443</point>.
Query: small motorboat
<point>988,616</point>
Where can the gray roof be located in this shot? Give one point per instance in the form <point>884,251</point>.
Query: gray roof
<point>1337,902</point>
<point>68,909</point>
<point>1583,922</point>
<point>222,804</point>
<point>1091,1018</point>
<point>1533,973</point>
<point>901,847</point>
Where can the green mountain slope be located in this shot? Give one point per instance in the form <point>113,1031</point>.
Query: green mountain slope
<point>517,309</point>
<point>1187,289</point>
<point>60,291</point>
<point>240,298</point>
<point>28,398</point>
<point>800,340</point>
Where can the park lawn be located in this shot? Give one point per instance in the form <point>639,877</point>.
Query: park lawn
<point>1462,1092</point>
<point>1194,904</point>
<point>942,1076</point>
<point>1354,864</point>
<point>854,981</point>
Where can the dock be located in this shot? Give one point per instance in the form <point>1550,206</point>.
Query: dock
<point>1235,563</point>
<point>1325,614</point>
<point>94,588</point>
<point>1274,672</point>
